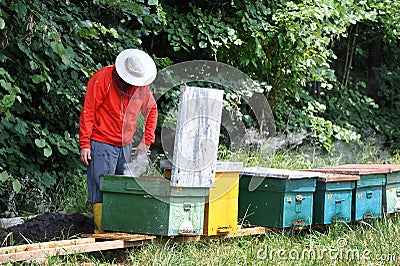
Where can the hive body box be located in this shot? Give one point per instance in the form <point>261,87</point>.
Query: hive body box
<point>367,194</point>
<point>333,198</point>
<point>391,193</point>
<point>221,208</point>
<point>275,197</point>
<point>149,205</point>
<point>391,188</point>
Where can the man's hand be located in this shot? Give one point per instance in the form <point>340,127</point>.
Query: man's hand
<point>142,148</point>
<point>85,156</point>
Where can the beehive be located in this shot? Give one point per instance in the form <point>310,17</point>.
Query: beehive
<point>221,208</point>
<point>333,198</point>
<point>391,188</point>
<point>367,194</point>
<point>150,205</point>
<point>275,197</point>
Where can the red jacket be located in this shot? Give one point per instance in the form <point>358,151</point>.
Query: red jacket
<point>110,117</point>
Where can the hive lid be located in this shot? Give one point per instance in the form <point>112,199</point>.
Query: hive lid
<point>333,177</point>
<point>220,166</point>
<point>197,137</point>
<point>352,170</point>
<point>229,166</point>
<point>382,168</point>
<point>278,173</point>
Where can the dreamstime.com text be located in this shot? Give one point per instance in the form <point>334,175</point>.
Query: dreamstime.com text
<point>341,252</point>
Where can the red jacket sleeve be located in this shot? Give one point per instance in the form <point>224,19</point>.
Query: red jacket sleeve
<point>95,91</point>
<point>150,114</point>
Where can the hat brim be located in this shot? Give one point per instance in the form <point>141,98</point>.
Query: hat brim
<point>147,63</point>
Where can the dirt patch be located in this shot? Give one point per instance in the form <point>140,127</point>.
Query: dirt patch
<point>47,227</point>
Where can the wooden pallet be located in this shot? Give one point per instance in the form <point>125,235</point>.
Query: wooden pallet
<point>39,252</point>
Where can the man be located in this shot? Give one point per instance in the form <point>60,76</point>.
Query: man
<point>114,97</point>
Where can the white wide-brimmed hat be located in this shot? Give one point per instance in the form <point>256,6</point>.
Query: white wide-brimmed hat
<point>136,67</point>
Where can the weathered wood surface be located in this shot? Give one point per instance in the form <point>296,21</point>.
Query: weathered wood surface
<point>120,236</point>
<point>197,137</point>
<point>384,168</point>
<point>41,251</point>
<point>332,177</point>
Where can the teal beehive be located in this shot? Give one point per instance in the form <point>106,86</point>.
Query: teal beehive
<point>275,197</point>
<point>367,194</point>
<point>333,198</point>
<point>391,188</point>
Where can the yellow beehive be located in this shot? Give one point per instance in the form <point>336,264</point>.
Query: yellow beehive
<point>221,210</point>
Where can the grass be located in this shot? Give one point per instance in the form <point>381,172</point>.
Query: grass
<point>374,242</point>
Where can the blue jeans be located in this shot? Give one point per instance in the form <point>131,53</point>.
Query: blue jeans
<point>106,160</point>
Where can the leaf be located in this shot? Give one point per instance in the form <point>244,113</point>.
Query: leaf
<point>4,176</point>
<point>153,2</point>
<point>22,127</point>
<point>6,85</point>
<point>21,9</point>
<point>2,24</point>
<point>38,78</point>
<point>16,185</point>
<point>8,100</point>
<point>202,44</point>
<point>47,151</point>
<point>63,151</point>
<point>40,143</point>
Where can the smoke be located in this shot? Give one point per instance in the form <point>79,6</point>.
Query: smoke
<point>137,166</point>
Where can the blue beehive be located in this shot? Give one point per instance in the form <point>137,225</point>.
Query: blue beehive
<point>333,198</point>
<point>367,194</point>
<point>275,197</point>
<point>391,188</point>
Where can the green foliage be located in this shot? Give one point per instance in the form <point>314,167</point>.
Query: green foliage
<point>49,51</point>
<point>290,46</point>
<point>197,30</point>
<point>298,52</point>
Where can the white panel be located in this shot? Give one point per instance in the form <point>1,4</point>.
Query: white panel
<point>197,137</point>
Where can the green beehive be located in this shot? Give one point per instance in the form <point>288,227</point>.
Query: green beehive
<point>333,198</point>
<point>391,192</point>
<point>149,205</point>
<point>275,197</point>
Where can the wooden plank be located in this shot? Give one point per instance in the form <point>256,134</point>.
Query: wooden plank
<point>52,244</point>
<point>120,236</point>
<point>241,232</point>
<point>197,137</point>
<point>247,232</point>
<point>39,254</point>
